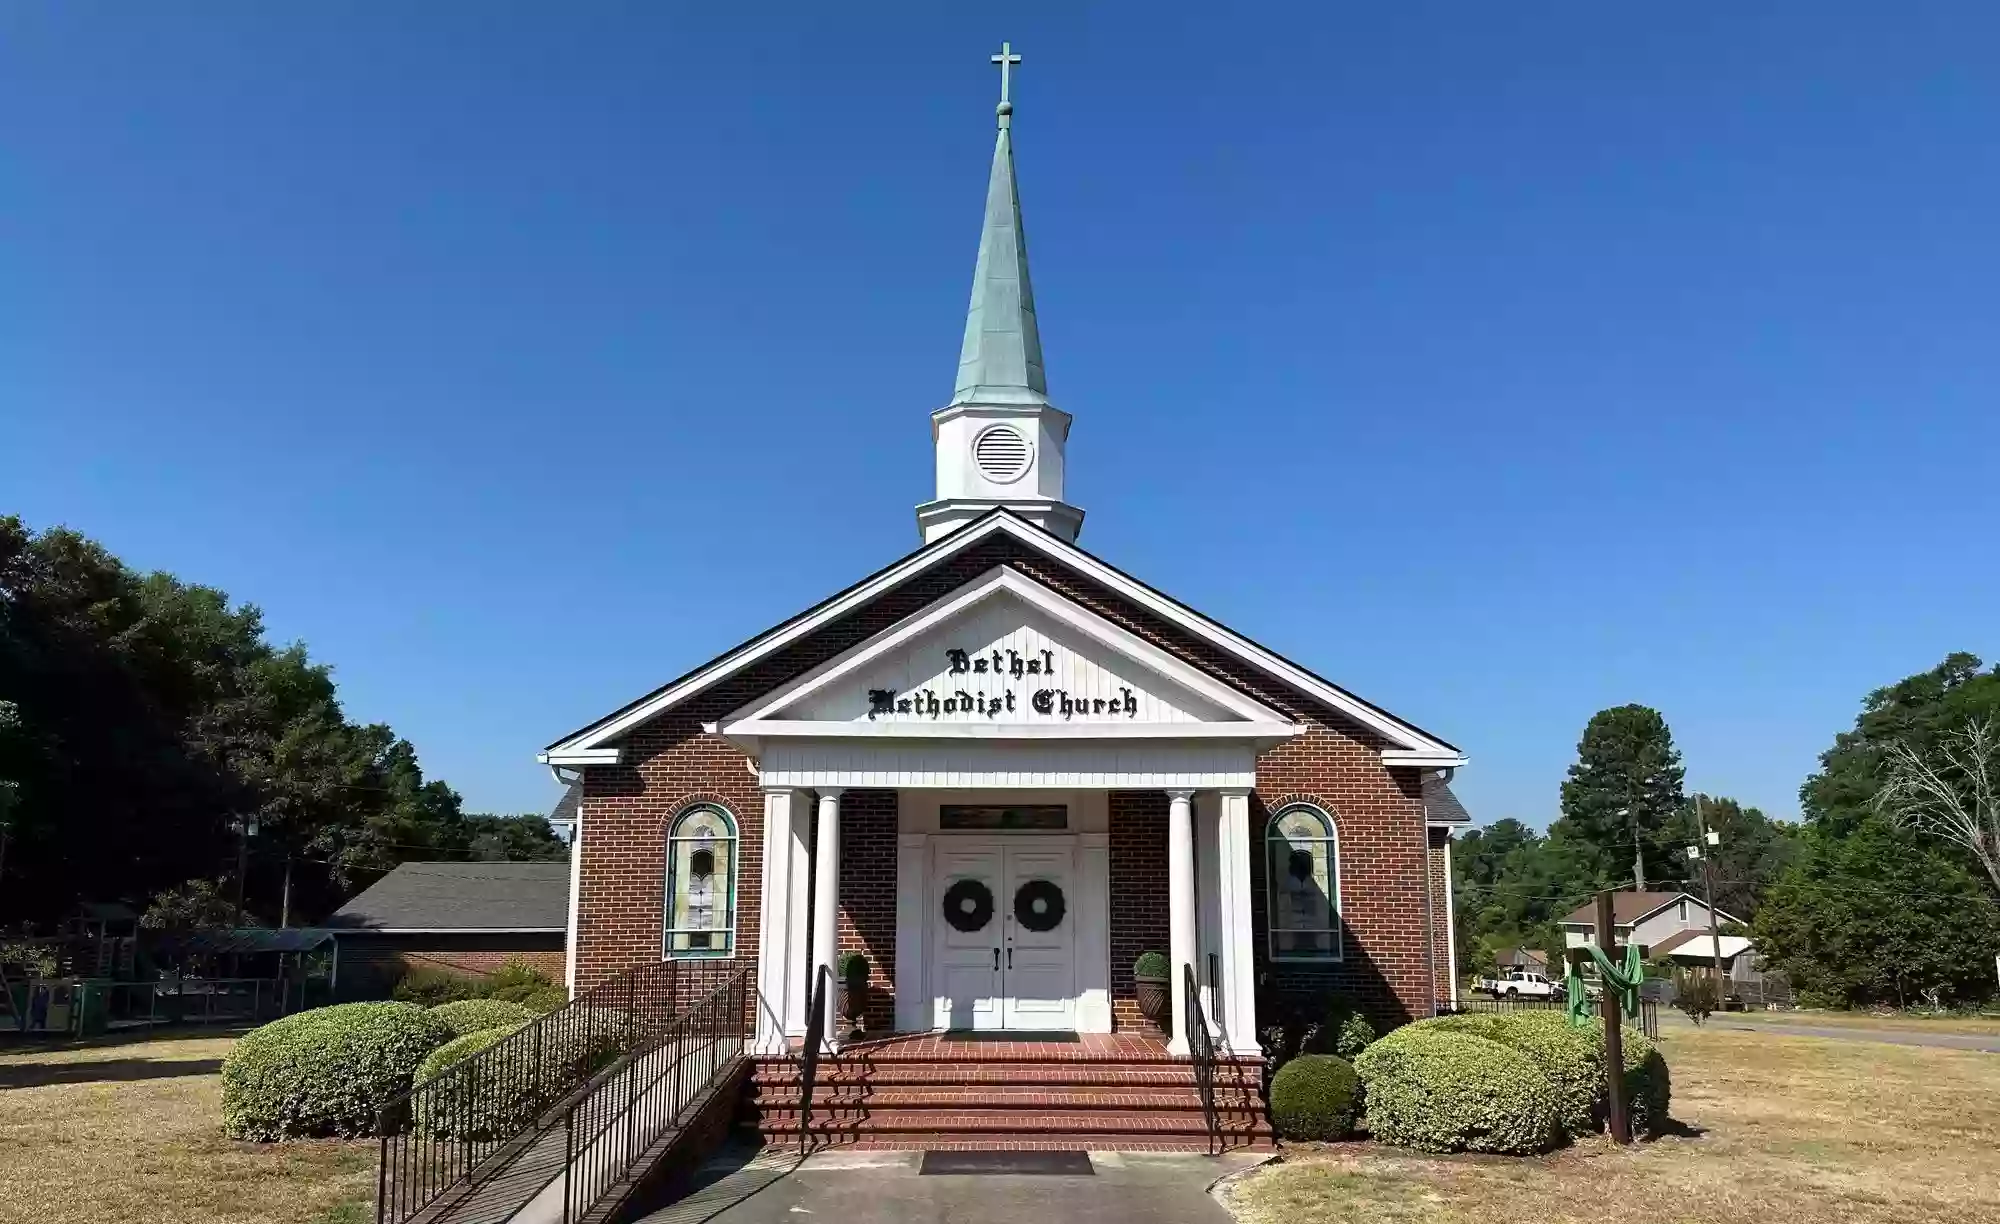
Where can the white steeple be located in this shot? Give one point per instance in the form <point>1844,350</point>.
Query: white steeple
<point>999,441</point>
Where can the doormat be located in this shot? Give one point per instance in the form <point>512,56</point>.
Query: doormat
<point>1070,1163</point>
<point>1052,1036</point>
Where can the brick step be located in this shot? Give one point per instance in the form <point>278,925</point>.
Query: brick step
<point>956,1141</point>
<point>1036,1124</point>
<point>1080,1075</point>
<point>978,1054</point>
<point>1011,1096</point>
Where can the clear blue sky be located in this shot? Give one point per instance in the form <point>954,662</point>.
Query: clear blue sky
<point>1499,362</point>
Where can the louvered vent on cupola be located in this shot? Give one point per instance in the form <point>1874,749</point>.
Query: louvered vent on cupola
<point>1002,453</point>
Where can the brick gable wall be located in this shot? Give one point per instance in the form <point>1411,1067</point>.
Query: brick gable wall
<point>670,762</point>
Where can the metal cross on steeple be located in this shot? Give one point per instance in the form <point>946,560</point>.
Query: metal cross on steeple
<point>1006,59</point>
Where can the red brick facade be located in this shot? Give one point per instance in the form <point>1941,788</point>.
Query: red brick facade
<point>1138,887</point>
<point>670,762</point>
<point>868,894</point>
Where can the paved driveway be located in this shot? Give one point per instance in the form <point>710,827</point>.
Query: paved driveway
<point>881,1187</point>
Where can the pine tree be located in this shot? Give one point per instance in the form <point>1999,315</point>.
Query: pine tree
<point>1623,799</point>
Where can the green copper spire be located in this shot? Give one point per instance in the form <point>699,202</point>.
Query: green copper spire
<point>1001,360</point>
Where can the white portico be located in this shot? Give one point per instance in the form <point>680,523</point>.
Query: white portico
<point>1004,716</point>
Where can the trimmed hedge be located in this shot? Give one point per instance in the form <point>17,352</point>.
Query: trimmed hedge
<point>1572,1058</point>
<point>462,1047</point>
<point>1444,1091</point>
<point>458,1107</point>
<point>327,1071</point>
<point>1315,1096</point>
<point>474,1015</point>
<point>546,1000</point>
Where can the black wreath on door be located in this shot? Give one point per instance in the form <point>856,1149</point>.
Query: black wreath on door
<point>1038,905</point>
<point>968,905</point>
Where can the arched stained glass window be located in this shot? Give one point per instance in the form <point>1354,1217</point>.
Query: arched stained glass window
<point>1302,884</point>
<point>701,884</point>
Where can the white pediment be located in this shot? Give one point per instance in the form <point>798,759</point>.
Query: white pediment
<point>1007,656</point>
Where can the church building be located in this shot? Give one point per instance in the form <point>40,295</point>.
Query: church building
<point>1002,769</point>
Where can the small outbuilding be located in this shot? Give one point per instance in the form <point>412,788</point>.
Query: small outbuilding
<point>468,918</point>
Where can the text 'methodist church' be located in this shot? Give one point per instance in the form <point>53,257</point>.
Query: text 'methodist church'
<point>1003,768</point>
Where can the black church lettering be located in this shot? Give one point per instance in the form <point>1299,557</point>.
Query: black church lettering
<point>1005,664</point>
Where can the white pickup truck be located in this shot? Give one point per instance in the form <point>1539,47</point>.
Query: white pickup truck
<point>1520,984</point>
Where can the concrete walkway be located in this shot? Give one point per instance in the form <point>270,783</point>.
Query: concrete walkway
<point>775,1187</point>
<point>1988,1043</point>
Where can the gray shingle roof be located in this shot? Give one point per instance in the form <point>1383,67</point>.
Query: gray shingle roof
<point>462,897</point>
<point>1440,804</point>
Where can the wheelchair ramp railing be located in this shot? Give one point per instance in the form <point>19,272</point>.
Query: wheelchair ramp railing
<point>615,1132</point>
<point>450,1136</point>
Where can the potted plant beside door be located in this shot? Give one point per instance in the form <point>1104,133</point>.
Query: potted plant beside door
<point>1151,980</point>
<point>852,968</point>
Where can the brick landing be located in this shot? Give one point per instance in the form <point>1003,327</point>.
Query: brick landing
<point>1110,1092</point>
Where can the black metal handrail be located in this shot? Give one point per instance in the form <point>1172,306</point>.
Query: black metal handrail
<point>453,1131</point>
<point>809,1056</point>
<point>608,1131</point>
<point>1201,1051</point>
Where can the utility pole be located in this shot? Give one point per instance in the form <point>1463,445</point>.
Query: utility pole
<point>1614,1036</point>
<point>1701,851</point>
<point>285,906</point>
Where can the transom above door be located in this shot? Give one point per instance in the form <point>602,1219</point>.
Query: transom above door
<point>1004,919</point>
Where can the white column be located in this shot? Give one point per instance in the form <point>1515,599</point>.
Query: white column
<point>826,903</point>
<point>1208,899</point>
<point>1180,910</point>
<point>798,919</point>
<point>1237,1010</point>
<point>777,980</point>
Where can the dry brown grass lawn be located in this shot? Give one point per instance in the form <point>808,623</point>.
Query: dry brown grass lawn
<point>133,1132</point>
<point>1795,1130</point>
<point>1907,1021</point>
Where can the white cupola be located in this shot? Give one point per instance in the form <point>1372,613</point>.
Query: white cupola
<point>999,441</point>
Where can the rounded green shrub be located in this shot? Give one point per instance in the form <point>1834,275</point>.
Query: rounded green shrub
<point>1572,1058</point>
<point>1315,1096</point>
<point>467,1104</point>
<point>546,1000</point>
<point>1443,1091</point>
<point>327,1071</point>
<point>1152,965</point>
<point>473,1015</point>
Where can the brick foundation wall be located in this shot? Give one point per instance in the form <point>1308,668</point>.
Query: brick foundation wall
<point>1138,887</point>
<point>868,894</point>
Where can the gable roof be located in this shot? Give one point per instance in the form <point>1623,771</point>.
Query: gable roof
<point>1630,907</point>
<point>596,743</point>
<point>462,897</point>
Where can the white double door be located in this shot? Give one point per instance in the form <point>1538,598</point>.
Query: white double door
<point>1004,914</point>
